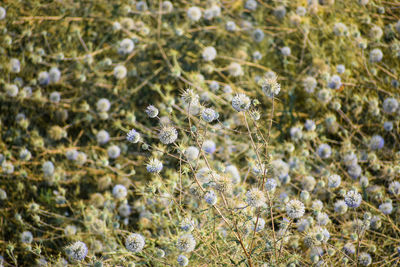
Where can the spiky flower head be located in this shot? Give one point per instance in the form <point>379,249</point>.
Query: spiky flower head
<point>295,209</point>
<point>189,96</point>
<point>134,242</point>
<point>77,251</point>
<point>223,183</point>
<point>210,197</point>
<point>270,87</point>
<point>168,135</point>
<point>154,166</point>
<point>133,136</point>
<point>241,102</point>
<point>151,111</point>
<point>208,115</point>
<point>182,260</point>
<point>255,198</point>
<point>352,199</point>
<point>186,243</point>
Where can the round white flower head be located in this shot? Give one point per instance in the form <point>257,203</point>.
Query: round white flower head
<point>187,224</point>
<point>241,102</point>
<point>103,105</point>
<point>194,13</point>
<point>365,259</point>
<point>120,72</point>
<point>3,13</point>
<point>208,115</point>
<point>390,105</point>
<point>120,191</point>
<point>55,97</point>
<point>324,151</point>
<point>126,46</point>
<point>182,260</point>
<point>334,181</point>
<point>235,69</point>
<point>394,188</point>
<point>376,142</point>
<point>168,135</point>
<point>340,207</point>
<point>15,65</point>
<point>270,185</point>
<point>376,55</point>
<point>77,251</point>
<point>209,53</point>
<point>134,242</point>
<point>151,111</point>
<point>102,137</point>
<point>209,146</point>
<point>386,208</point>
<point>191,153</point>
<point>11,90</point>
<point>309,84</point>
<point>233,173</point>
<point>210,197</point>
<point>352,199</point>
<point>113,151</point>
<point>48,168</point>
<point>167,6</point>
<point>270,87</point>
<point>54,75</point>
<point>295,209</point>
<point>230,26</point>
<point>186,243</point>
<point>255,198</point>
<point>26,237</point>
<point>133,136</point>
<point>154,166</point>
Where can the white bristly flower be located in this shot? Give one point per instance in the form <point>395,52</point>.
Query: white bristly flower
<point>134,242</point>
<point>295,209</point>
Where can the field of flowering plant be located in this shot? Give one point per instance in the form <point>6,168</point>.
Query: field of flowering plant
<point>200,133</point>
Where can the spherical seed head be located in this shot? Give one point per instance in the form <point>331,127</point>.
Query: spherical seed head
<point>255,198</point>
<point>295,209</point>
<point>191,153</point>
<point>133,136</point>
<point>120,191</point>
<point>223,183</point>
<point>377,142</point>
<point>334,181</point>
<point>3,13</point>
<point>390,105</point>
<point>386,208</point>
<point>241,102</point>
<point>154,166</point>
<point>55,97</point>
<point>11,90</point>
<point>309,84</point>
<point>270,185</point>
<point>335,82</point>
<point>151,111</point>
<point>182,260</point>
<point>113,151</point>
<point>251,5</point>
<point>48,168</point>
<point>208,115</point>
<point>394,188</point>
<point>235,69</point>
<point>102,137</point>
<point>54,75</point>
<point>134,242</point>
<point>190,97</point>
<point>365,259</point>
<point>120,72</point>
<point>168,135</point>
<point>194,13</point>
<point>77,251</point>
<point>270,87</point>
<point>187,224</point>
<point>209,53</point>
<point>26,237</point>
<point>186,243</point>
<point>353,199</point>
<point>324,151</point>
<point>126,46</point>
<point>210,197</point>
<point>209,146</point>
<point>103,105</point>
<point>376,55</point>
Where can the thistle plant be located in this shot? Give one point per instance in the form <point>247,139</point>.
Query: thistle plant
<point>202,133</point>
